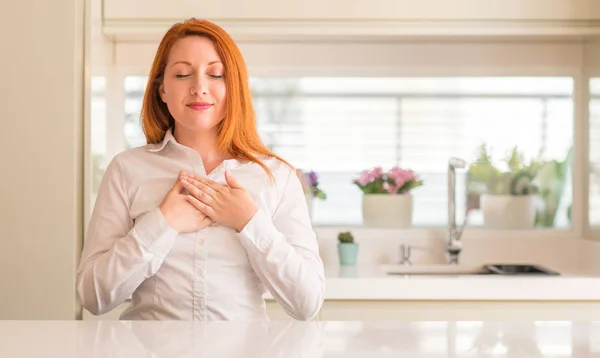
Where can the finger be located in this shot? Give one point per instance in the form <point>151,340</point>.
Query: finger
<point>200,185</point>
<point>198,193</point>
<point>231,181</point>
<point>200,178</point>
<point>177,187</point>
<point>182,174</point>
<point>210,183</point>
<point>203,208</point>
<point>207,221</point>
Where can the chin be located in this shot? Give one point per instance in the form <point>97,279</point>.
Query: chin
<point>199,124</point>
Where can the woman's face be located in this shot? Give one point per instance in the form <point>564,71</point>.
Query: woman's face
<point>193,85</point>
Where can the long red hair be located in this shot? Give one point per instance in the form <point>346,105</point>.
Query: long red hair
<point>237,133</point>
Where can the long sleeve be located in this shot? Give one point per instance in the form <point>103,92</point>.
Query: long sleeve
<point>119,252</point>
<point>284,253</point>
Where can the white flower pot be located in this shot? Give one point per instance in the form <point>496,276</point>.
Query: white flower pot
<point>387,210</point>
<point>508,211</point>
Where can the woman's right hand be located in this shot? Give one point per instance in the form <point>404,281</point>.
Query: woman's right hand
<point>182,216</point>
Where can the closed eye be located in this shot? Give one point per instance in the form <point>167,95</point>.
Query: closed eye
<point>181,76</point>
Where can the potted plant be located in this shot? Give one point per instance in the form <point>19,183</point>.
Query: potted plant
<point>347,249</point>
<point>310,184</point>
<point>551,180</point>
<point>387,199</point>
<point>507,194</point>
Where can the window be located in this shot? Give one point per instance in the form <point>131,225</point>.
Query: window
<point>594,150</point>
<point>341,126</point>
<point>99,129</point>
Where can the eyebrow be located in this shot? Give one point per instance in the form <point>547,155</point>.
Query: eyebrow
<point>189,64</point>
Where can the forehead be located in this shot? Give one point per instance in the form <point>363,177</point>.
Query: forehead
<point>193,49</point>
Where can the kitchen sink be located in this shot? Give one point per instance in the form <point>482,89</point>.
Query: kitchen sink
<point>513,269</point>
<point>442,269</point>
<point>451,269</point>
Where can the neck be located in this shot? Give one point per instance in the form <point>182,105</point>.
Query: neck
<point>203,143</point>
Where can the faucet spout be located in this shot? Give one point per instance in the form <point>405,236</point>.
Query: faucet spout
<point>454,245</point>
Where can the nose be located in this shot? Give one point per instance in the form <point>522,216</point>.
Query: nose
<point>200,85</point>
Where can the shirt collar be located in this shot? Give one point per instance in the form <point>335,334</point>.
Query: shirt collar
<point>168,138</point>
<point>227,164</point>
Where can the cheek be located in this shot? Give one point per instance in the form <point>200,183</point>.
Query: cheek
<point>219,92</point>
<point>174,93</point>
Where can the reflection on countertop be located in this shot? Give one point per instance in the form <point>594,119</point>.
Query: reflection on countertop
<point>370,282</point>
<point>297,339</point>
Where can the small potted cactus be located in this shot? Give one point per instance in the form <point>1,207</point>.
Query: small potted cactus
<point>347,249</point>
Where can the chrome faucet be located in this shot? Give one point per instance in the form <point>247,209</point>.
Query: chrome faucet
<point>454,244</point>
<point>404,258</point>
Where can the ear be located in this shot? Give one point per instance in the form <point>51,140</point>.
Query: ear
<point>161,92</point>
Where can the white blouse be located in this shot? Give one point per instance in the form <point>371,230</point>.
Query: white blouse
<point>212,274</point>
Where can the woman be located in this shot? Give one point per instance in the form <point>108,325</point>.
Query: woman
<point>204,219</point>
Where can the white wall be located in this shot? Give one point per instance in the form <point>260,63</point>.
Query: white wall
<point>592,58</point>
<point>41,72</point>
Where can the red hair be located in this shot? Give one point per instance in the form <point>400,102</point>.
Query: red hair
<point>237,133</point>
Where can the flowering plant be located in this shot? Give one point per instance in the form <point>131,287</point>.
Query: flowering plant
<point>310,183</point>
<point>395,181</point>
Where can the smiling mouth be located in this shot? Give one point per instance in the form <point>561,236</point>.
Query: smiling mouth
<point>200,106</point>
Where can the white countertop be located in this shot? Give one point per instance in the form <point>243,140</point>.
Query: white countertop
<point>86,339</point>
<point>369,282</point>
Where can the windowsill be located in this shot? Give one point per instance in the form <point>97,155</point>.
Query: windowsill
<point>415,233</point>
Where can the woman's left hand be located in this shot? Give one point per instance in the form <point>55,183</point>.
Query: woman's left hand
<point>229,205</point>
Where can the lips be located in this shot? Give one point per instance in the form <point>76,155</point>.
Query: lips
<point>199,106</point>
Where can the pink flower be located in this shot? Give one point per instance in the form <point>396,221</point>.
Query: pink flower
<point>401,176</point>
<point>364,179</point>
<point>367,176</point>
<point>392,189</point>
<point>376,173</point>
<point>375,181</point>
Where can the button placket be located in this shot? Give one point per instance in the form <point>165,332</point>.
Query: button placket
<point>196,285</point>
<point>200,277</point>
<point>204,264</point>
<point>199,269</point>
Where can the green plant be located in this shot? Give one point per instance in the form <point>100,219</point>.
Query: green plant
<point>551,180</point>
<point>517,178</point>
<point>311,185</point>
<point>346,237</point>
<point>395,181</point>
